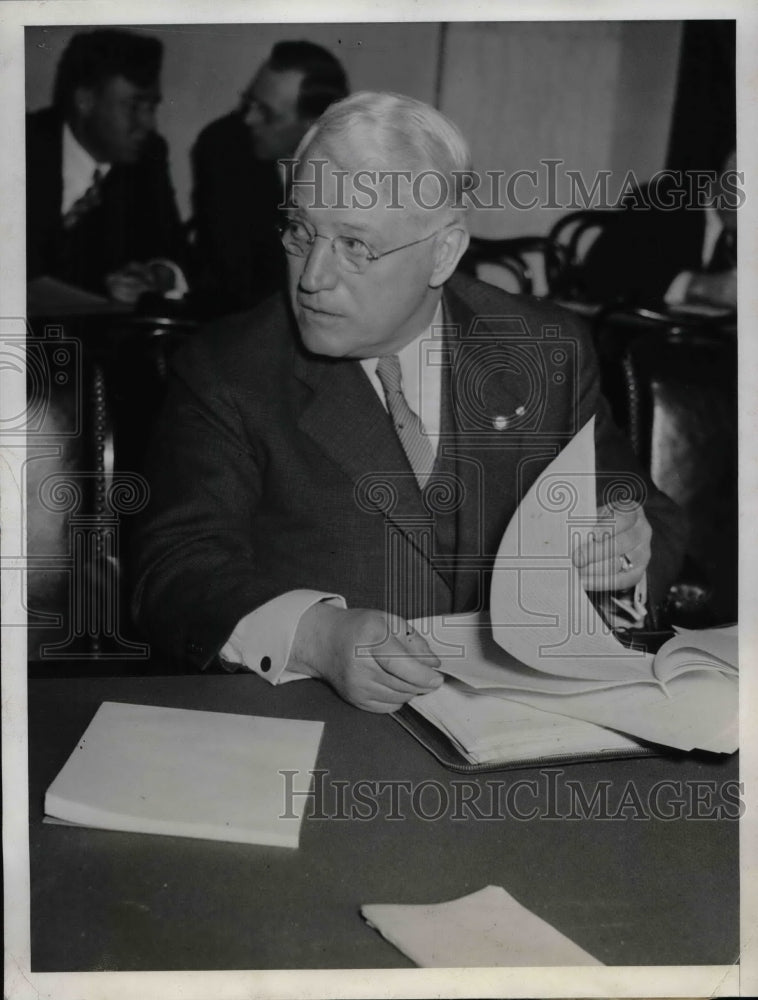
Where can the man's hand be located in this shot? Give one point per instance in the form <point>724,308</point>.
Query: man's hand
<point>373,660</point>
<point>617,550</point>
<point>132,281</point>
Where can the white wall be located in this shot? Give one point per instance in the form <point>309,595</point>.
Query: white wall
<point>597,95</point>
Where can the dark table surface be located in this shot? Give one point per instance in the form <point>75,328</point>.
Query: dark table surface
<point>632,890</point>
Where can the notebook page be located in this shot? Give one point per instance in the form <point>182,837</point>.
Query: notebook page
<point>696,649</point>
<point>696,712</point>
<point>487,728</point>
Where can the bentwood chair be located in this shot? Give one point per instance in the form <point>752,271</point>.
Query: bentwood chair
<point>525,265</point>
<point>574,234</point>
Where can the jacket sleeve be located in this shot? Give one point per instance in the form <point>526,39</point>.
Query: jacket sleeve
<point>194,571</point>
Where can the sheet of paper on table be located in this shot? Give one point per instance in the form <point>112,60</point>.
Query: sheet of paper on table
<point>485,929</point>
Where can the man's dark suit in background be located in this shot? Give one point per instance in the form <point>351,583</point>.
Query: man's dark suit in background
<point>675,228</point>
<point>638,256</point>
<point>239,256</point>
<point>136,220</point>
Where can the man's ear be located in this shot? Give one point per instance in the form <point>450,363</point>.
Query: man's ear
<point>449,247</point>
<point>83,102</point>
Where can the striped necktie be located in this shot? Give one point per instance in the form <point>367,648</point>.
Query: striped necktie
<point>89,200</point>
<point>408,425</point>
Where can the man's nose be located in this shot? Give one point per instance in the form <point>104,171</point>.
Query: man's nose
<point>321,270</point>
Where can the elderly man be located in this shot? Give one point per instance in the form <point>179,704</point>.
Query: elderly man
<point>101,212</point>
<point>236,181</point>
<point>328,468</point>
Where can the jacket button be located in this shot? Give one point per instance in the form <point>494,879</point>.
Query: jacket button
<point>266,664</point>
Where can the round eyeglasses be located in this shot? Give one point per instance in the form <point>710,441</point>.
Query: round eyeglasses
<point>353,254</point>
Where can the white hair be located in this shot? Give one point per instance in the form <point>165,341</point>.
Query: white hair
<point>405,134</point>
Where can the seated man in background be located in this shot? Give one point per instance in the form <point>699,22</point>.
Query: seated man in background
<point>300,471</point>
<point>101,213</point>
<point>237,185</point>
<point>684,254</point>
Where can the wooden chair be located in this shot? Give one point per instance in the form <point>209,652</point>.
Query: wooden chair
<point>673,383</point>
<point>575,233</point>
<point>525,265</point>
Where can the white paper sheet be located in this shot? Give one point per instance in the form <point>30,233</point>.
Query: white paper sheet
<point>486,929</point>
<point>540,611</point>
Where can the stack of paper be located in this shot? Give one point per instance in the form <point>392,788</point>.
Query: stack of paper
<point>187,773</point>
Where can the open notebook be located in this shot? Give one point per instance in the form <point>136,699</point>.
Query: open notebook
<point>543,676</point>
<point>187,773</point>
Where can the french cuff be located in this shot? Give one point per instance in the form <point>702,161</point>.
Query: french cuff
<point>262,640</point>
<point>181,287</point>
<point>676,293</point>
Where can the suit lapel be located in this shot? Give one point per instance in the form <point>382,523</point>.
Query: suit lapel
<point>348,422</point>
<point>487,459</point>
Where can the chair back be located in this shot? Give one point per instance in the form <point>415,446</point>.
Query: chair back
<point>525,265</point>
<point>575,233</point>
<point>679,406</point>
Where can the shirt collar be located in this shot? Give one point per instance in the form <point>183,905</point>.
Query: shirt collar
<point>408,355</point>
<point>78,169</point>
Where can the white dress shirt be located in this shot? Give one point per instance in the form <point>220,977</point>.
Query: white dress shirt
<point>78,170</point>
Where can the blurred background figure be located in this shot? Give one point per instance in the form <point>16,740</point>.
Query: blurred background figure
<point>236,180</point>
<point>681,256</point>
<point>101,212</point>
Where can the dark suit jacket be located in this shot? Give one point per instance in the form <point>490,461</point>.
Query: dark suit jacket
<point>272,469</point>
<point>137,218</point>
<point>239,260</point>
<point>637,257</point>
